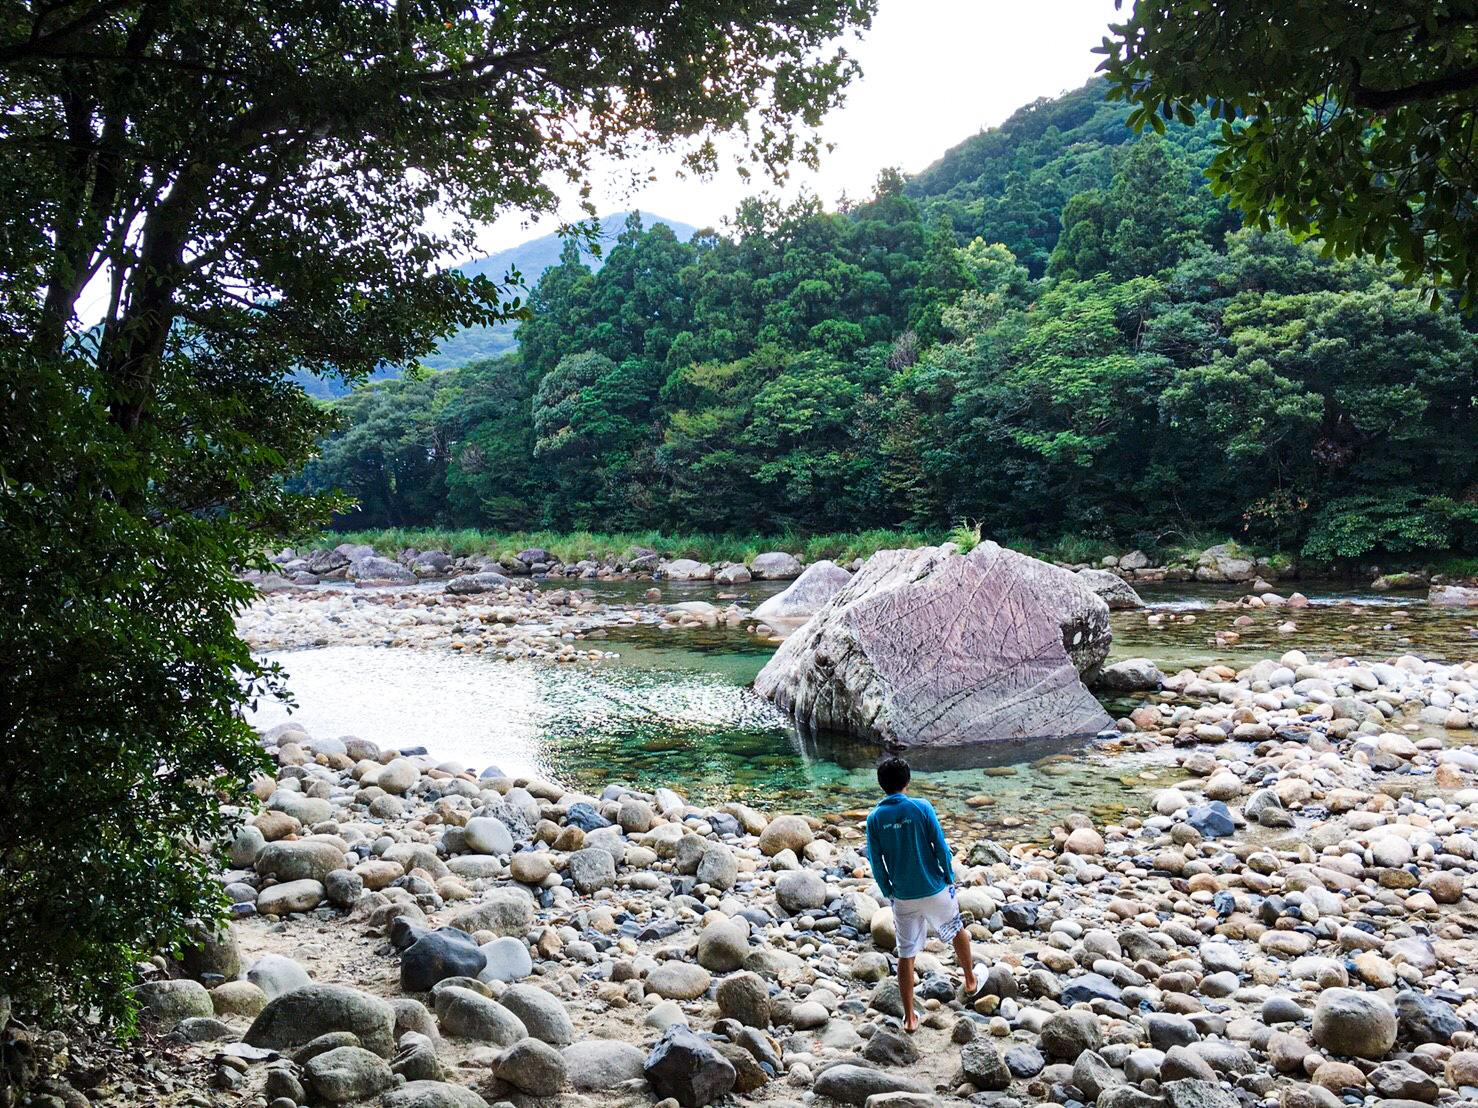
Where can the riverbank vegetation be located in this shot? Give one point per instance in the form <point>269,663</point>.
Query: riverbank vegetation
<point>841,546</point>
<point>1057,330</point>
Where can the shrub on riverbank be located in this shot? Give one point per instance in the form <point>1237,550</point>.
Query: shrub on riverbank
<point>574,546</point>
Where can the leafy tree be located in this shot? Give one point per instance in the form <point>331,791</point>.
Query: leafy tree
<point>1144,223</point>
<point>245,193</point>
<point>485,411</point>
<point>1352,122</point>
<point>1168,374</point>
<point>392,458</point>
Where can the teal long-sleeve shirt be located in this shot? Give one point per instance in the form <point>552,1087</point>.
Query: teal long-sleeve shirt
<point>906,848</point>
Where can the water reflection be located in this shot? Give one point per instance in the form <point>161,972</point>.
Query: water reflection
<point>993,754</point>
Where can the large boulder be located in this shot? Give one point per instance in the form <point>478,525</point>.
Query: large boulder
<point>599,1064</point>
<point>484,581</point>
<point>1453,596</point>
<point>432,1094</point>
<point>686,569</point>
<point>374,568</point>
<point>501,911</point>
<point>775,565</point>
<point>1225,562</point>
<point>294,1018</point>
<point>299,860</point>
<point>430,563</point>
<point>464,1014</point>
<point>807,595</point>
<point>542,1013</point>
<point>1353,1023</point>
<point>169,1002</point>
<point>688,1068</point>
<point>930,647</point>
<point>347,1073</point>
<point>321,563</point>
<point>1113,590</point>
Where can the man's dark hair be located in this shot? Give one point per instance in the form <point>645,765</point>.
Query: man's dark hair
<point>894,775</point>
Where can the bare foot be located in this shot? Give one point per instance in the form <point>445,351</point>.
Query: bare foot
<point>911,1023</point>
<point>971,985</point>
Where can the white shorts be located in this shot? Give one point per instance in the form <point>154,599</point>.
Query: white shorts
<point>914,919</point>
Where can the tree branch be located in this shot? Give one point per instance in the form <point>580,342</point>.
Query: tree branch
<point>1385,100</point>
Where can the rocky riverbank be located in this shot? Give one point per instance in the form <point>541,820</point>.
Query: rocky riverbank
<point>361,564</point>
<point>507,619</point>
<point>1292,925</point>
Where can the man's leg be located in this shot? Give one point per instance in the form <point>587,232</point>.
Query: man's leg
<point>966,959</point>
<point>905,990</point>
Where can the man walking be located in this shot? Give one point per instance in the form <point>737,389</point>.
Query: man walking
<point>912,865</point>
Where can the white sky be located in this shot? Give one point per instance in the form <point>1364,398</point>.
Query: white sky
<point>933,73</point>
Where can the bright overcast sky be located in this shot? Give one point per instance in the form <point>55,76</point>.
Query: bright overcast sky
<point>933,73</point>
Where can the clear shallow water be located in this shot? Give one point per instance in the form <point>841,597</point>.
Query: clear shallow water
<point>674,709</point>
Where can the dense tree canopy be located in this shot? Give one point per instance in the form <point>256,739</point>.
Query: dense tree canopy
<point>1351,121</point>
<point>204,202</point>
<point>1145,372</point>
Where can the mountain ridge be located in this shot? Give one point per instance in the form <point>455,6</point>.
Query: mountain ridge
<point>530,258</point>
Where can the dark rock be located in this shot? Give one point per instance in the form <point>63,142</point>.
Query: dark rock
<point>1399,1080</point>
<point>1025,1061</point>
<point>1088,987</point>
<point>342,888</point>
<point>1067,1034</point>
<point>1166,1031</point>
<point>1425,1019</point>
<point>1019,916</point>
<point>585,818</point>
<point>437,955</point>
<point>936,987</point>
<point>982,1066</point>
<point>688,1069</point>
<point>888,1048</point>
<point>1212,820</point>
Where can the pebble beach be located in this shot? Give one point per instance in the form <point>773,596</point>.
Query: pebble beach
<point>1291,924</point>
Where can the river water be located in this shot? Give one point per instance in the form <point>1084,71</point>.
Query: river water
<point>674,708</point>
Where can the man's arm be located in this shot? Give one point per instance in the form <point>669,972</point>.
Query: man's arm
<point>879,868</point>
<point>940,845</point>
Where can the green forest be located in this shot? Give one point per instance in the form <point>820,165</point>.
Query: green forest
<point>1055,330</point>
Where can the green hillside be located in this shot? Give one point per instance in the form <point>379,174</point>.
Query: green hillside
<point>530,259</point>
<point>1055,330</point>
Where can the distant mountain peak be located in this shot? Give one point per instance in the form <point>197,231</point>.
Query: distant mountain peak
<point>532,258</point>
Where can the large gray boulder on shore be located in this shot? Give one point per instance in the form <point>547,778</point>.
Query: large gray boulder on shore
<point>807,594</point>
<point>930,647</point>
<point>1453,596</point>
<point>374,568</point>
<point>297,1017</point>
<point>1115,591</point>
